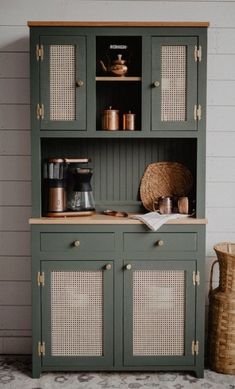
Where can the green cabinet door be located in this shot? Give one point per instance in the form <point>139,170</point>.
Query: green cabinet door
<point>159,313</point>
<point>63,83</point>
<point>174,83</point>
<point>77,313</point>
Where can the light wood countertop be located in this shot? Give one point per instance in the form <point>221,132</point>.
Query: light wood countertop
<point>100,218</point>
<point>59,23</point>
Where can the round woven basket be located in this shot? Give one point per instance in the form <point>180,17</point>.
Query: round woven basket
<point>221,329</point>
<point>164,179</point>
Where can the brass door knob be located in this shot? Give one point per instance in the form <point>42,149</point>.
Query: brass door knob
<point>79,83</point>
<point>128,267</point>
<point>76,243</point>
<point>108,266</point>
<point>156,84</point>
<point>160,243</point>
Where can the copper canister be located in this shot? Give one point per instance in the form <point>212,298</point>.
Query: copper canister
<point>110,120</point>
<point>129,121</point>
<point>183,205</point>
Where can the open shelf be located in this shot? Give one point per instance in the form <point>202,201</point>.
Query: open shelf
<point>119,164</point>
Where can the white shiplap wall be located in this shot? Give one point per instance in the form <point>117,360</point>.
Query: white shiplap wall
<point>15,196</point>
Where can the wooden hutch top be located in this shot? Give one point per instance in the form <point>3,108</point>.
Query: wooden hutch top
<point>114,24</point>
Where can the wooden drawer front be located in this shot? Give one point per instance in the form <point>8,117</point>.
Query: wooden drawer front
<point>160,241</point>
<point>77,241</point>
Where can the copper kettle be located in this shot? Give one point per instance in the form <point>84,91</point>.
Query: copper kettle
<point>117,68</point>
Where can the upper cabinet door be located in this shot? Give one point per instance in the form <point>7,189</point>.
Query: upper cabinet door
<point>174,83</point>
<point>63,83</point>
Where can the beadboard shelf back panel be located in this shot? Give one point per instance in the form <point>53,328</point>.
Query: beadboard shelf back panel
<point>119,164</point>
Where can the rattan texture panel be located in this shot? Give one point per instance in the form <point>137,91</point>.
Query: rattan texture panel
<point>77,313</point>
<point>62,82</point>
<point>158,312</point>
<point>173,83</point>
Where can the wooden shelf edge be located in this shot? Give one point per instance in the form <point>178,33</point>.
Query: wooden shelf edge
<point>45,23</point>
<point>103,219</point>
<point>118,79</point>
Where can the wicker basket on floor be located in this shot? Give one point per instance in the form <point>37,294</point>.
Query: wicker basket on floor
<point>221,331</point>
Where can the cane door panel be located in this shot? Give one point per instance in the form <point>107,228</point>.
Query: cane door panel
<point>174,83</point>
<point>63,83</point>
<point>159,312</point>
<point>77,313</point>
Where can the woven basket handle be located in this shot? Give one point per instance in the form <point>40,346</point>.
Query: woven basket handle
<point>211,275</point>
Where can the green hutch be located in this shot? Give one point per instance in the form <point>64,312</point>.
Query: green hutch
<point>109,294</point>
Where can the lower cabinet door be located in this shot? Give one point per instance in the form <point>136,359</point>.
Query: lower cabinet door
<point>159,313</point>
<point>77,313</point>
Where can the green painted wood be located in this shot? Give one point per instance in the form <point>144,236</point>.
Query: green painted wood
<point>200,305</point>
<point>36,306</point>
<point>67,266</point>
<point>149,242</point>
<point>119,159</point>
<point>191,82</point>
<point>201,153</point>
<point>87,242</point>
<point>189,331</point>
<point>35,138</point>
<point>80,92</point>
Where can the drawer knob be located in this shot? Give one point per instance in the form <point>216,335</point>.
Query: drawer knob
<point>160,243</point>
<point>156,84</point>
<point>128,267</point>
<point>76,243</point>
<point>79,83</point>
<point>108,266</point>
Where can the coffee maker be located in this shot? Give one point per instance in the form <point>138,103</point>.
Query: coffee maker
<point>80,196</point>
<point>54,176</point>
<point>69,191</point>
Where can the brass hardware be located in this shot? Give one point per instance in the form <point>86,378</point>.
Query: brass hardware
<point>76,243</point>
<point>197,112</point>
<point>128,267</point>
<point>41,349</point>
<point>108,266</point>
<point>160,243</point>
<point>41,278</point>
<point>40,111</point>
<point>195,347</point>
<point>196,278</point>
<point>39,52</point>
<point>79,83</point>
<point>198,53</point>
<point>156,84</point>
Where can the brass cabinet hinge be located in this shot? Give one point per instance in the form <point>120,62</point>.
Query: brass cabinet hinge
<point>41,279</point>
<point>197,112</point>
<point>39,52</point>
<point>196,278</point>
<point>40,111</point>
<point>198,53</point>
<point>41,349</point>
<point>195,347</point>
